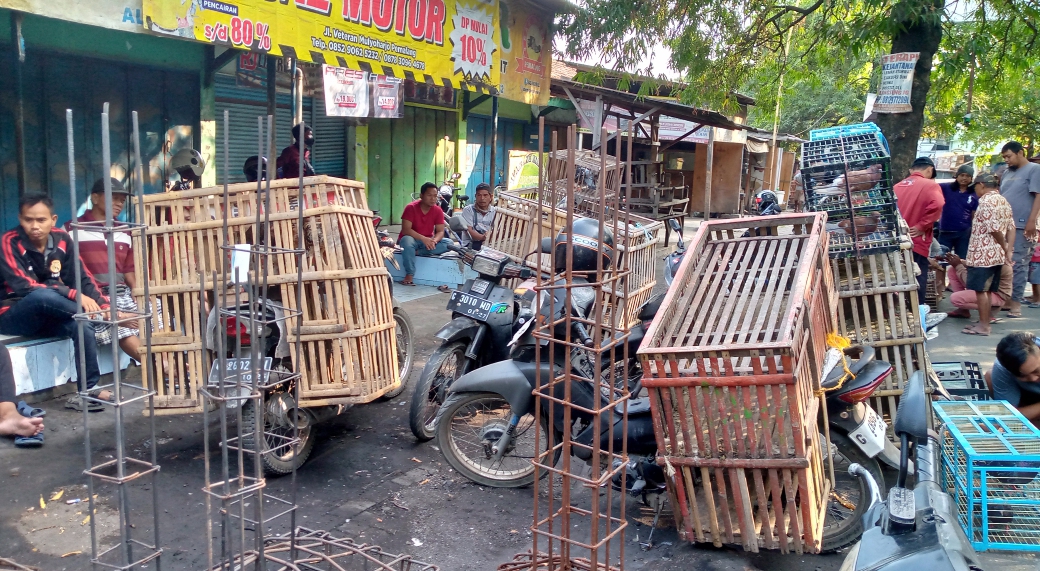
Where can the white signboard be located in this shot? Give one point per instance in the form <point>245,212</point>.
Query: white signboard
<point>897,80</point>
<point>346,92</point>
<point>669,128</point>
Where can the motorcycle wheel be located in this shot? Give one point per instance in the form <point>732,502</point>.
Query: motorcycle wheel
<point>405,350</point>
<point>843,525</point>
<point>278,459</point>
<point>469,421</point>
<point>444,366</point>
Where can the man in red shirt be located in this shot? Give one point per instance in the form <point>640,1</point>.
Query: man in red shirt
<point>920,201</point>
<point>422,230</point>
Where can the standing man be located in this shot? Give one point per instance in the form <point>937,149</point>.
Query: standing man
<point>921,203</point>
<point>422,230</point>
<point>39,297</point>
<point>961,202</point>
<point>289,160</point>
<point>479,215</point>
<point>93,252</point>
<point>797,199</point>
<point>1020,185</point>
<point>992,234</point>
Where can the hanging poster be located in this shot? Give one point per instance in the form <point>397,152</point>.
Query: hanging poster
<point>431,41</point>
<point>526,54</point>
<point>346,92</point>
<point>897,80</point>
<point>524,167</point>
<point>386,97</point>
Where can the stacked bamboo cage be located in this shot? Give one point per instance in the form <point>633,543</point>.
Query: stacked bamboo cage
<point>347,329</point>
<point>879,307</point>
<point>733,364</point>
<point>515,229</point>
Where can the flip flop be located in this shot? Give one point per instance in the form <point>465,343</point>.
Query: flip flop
<point>30,412</point>
<point>1014,315</point>
<point>1033,304</point>
<point>29,441</point>
<point>958,315</point>
<point>76,403</point>
<point>404,283</point>
<point>972,331</point>
<point>995,320</point>
<point>443,289</point>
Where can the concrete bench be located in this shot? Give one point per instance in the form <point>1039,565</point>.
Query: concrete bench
<point>447,269</point>
<point>44,363</point>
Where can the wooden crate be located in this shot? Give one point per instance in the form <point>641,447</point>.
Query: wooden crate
<point>891,323</point>
<point>515,233</point>
<point>758,508</point>
<point>349,344</point>
<point>877,273</point>
<point>178,371</point>
<point>733,364</point>
<point>347,325</point>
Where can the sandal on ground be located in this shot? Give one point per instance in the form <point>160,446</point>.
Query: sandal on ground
<point>1033,304</point>
<point>972,331</point>
<point>443,289</point>
<point>959,314</point>
<point>406,282</point>
<point>29,441</point>
<point>30,412</point>
<point>1013,315</point>
<point>75,402</point>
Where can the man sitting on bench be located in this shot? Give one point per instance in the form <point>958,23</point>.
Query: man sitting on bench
<point>39,298</point>
<point>93,252</point>
<point>1016,374</point>
<point>422,230</point>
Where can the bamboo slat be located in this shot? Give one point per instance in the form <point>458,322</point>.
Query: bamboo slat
<point>733,364</point>
<point>349,352</point>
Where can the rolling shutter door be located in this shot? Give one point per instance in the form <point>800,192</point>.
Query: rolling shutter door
<point>244,105</point>
<point>330,141</point>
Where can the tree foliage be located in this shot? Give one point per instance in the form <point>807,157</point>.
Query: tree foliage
<point>720,46</point>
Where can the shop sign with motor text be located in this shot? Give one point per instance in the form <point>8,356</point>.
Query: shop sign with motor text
<point>447,42</point>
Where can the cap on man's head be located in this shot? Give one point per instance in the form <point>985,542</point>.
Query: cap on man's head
<point>921,162</point>
<point>987,180</point>
<point>967,169</point>
<point>117,187</point>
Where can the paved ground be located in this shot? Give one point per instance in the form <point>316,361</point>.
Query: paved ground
<point>367,479</point>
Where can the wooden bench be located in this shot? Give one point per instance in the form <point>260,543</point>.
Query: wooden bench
<point>41,363</point>
<point>447,269</point>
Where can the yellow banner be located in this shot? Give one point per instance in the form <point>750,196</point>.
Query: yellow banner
<point>432,41</point>
<point>526,54</point>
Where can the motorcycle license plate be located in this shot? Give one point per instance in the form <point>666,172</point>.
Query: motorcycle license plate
<point>870,435</point>
<point>469,305</point>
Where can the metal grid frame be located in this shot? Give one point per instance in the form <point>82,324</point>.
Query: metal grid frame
<point>603,510</point>
<point>123,469</point>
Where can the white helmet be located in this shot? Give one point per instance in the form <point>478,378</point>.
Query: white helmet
<point>188,160</point>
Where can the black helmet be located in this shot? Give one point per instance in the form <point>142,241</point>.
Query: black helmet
<point>587,247</point>
<point>764,199</point>
<point>251,170</point>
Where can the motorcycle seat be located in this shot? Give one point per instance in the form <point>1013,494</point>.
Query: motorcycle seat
<point>639,405</point>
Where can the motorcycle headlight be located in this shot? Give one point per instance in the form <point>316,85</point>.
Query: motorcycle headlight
<point>489,266</point>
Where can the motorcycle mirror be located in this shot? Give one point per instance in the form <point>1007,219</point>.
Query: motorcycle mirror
<point>546,246</point>
<point>674,225</point>
<point>458,223</point>
<point>456,176</point>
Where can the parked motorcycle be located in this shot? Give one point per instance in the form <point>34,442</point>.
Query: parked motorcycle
<point>858,436</point>
<point>485,315</point>
<point>913,529</point>
<point>446,195</point>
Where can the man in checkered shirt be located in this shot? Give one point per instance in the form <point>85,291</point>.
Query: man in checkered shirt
<point>93,252</point>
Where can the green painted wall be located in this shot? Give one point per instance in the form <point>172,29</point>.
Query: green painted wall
<point>506,108</point>
<point>60,36</point>
<point>404,153</point>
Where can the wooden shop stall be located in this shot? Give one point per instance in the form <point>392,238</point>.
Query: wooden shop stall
<point>684,159</point>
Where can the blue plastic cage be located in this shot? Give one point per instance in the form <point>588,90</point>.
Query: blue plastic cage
<point>990,461</point>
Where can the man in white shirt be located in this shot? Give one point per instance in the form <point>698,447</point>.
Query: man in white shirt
<point>479,216</point>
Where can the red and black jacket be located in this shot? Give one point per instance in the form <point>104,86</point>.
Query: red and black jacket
<point>24,269</point>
